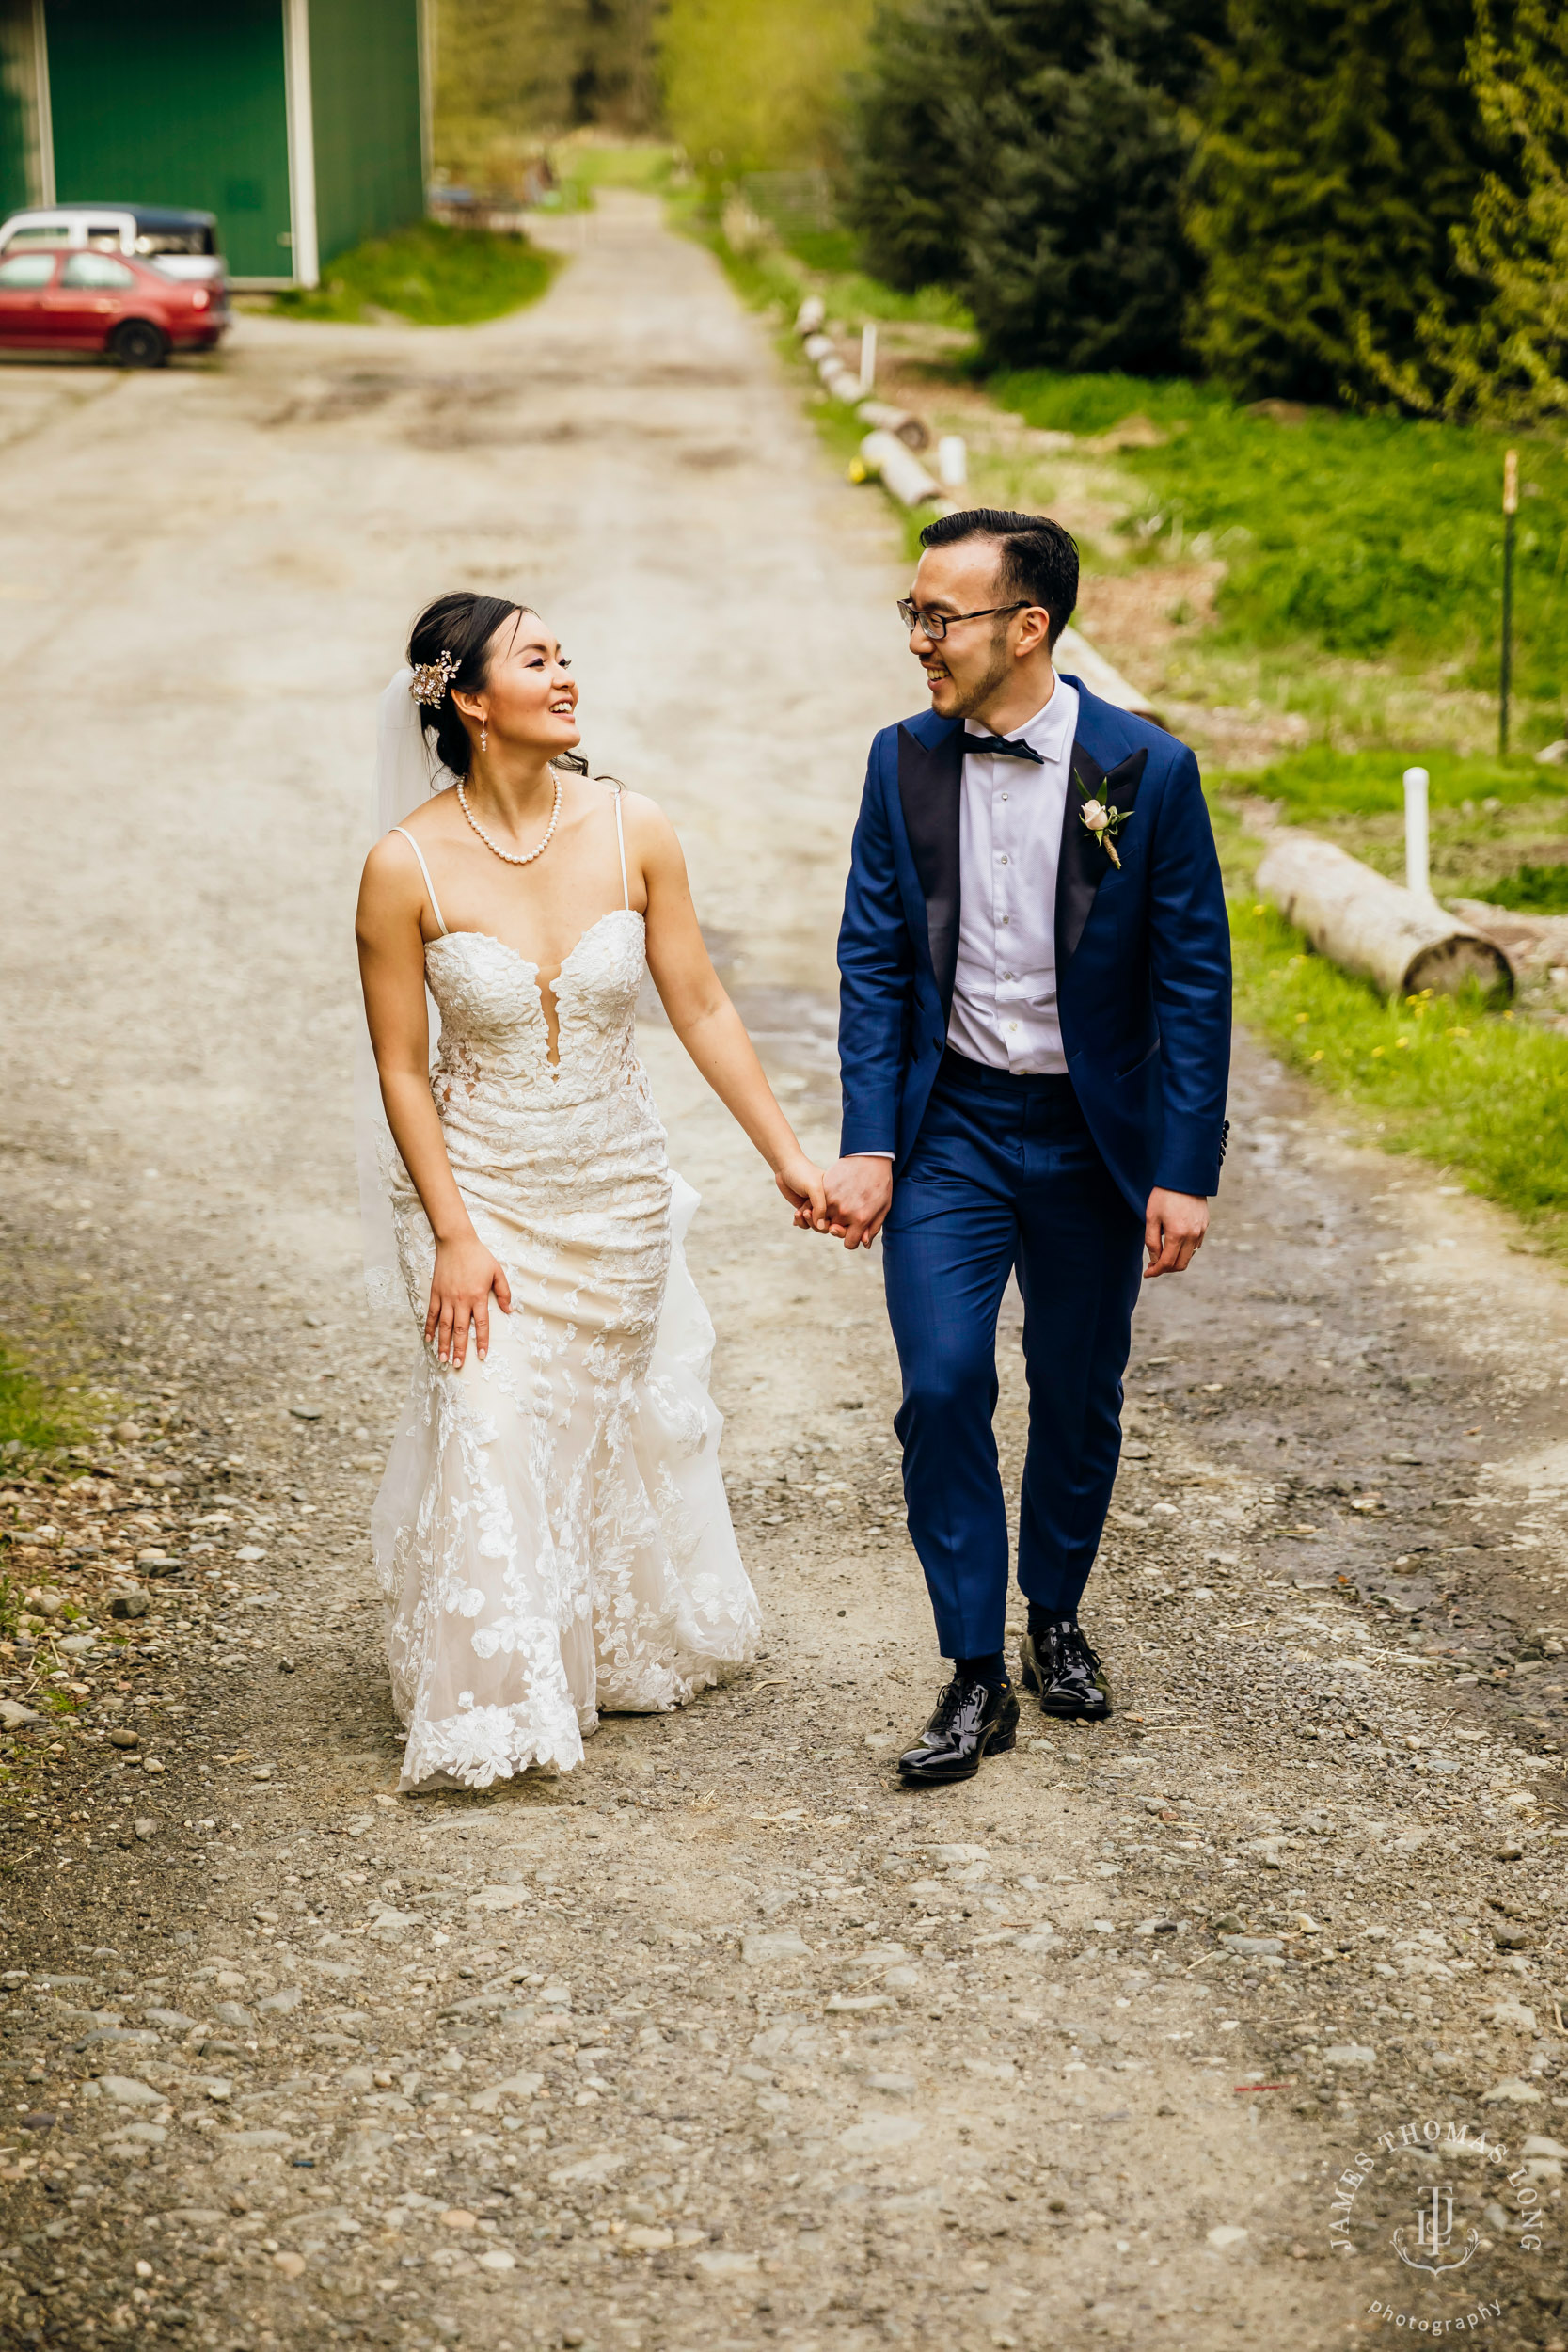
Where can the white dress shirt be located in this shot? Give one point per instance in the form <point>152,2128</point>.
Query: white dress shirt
<point>1009,843</point>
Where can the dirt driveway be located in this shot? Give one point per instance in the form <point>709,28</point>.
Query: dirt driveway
<point>1160,2034</point>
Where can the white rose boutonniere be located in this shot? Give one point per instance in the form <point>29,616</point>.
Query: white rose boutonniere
<point>1104,823</point>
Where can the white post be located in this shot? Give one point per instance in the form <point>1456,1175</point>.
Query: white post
<point>951,461</point>
<point>1418,859</point>
<point>868,360</point>
<point>43,107</point>
<point>302,143</point>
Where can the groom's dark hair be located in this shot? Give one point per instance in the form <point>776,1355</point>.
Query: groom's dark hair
<point>1039,560</point>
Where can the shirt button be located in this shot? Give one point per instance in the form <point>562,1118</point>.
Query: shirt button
<point>1006,919</point>
<point>1003,796</point>
<point>1012,1029</point>
<point>1003,859</point>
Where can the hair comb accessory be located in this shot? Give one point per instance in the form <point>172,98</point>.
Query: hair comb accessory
<point>431,679</point>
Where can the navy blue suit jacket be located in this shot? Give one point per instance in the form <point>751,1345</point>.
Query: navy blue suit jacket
<point>1143,953</point>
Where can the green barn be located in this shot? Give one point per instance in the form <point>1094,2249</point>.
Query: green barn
<point>303,124</point>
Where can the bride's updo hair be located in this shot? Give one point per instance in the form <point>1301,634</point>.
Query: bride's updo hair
<point>461,624</point>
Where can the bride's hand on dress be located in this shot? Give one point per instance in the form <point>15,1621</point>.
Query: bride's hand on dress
<point>465,1274</point>
<point>801,1182</point>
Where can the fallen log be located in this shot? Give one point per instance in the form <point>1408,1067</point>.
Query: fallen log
<point>885,418</point>
<point>1076,658</point>
<point>884,456</point>
<point>1370,926</point>
<point>841,383</point>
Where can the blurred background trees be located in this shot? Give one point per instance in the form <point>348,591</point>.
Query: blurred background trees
<point>759,84</point>
<point>1340,152</point>
<point>1031,153</point>
<point>1361,202</point>
<point>1503,353</point>
<point>509,74</point>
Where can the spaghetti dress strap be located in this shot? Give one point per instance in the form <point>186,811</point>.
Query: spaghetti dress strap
<point>435,902</point>
<point>621,839</point>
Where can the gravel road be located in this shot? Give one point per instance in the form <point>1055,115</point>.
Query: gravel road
<point>1239,2016</point>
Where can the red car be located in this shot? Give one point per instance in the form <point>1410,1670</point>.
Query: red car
<point>65,299</point>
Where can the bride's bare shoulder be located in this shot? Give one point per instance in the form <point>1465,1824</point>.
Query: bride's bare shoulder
<point>390,873</point>
<point>427,823</point>
<point>645,823</point>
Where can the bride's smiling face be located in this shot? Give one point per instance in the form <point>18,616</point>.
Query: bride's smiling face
<point>529,700</point>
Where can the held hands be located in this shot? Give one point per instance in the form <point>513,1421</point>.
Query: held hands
<point>1174,1227</point>
<point>858,1193</point>
<point>460,1288</point>
<point>801,1182</point>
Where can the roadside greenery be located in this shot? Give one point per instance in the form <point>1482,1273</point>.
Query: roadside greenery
<point>1370,536</point>
<point>752,85</point>
<point>1533,889</point>
<point>1031,154</point>
<point>430,275</point>
<point>1482,1094</point>
<point>32,1414</point>
<point>1493,824</point>
<point>778,271</point>
<point>1319,786</point>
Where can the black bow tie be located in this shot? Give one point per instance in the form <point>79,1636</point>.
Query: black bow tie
<point>998,747</point>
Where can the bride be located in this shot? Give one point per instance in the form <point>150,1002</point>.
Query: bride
<point>551,1532</point>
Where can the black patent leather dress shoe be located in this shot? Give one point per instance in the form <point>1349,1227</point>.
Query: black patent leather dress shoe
<point>1059,1664</point>
<point>972,1720</point>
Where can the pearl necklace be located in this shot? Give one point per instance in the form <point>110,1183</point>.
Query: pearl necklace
<point>530,855</point>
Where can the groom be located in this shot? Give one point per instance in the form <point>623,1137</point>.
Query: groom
<point>1034,1040</point>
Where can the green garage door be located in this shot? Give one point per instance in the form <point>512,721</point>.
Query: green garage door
<point>177,102</point>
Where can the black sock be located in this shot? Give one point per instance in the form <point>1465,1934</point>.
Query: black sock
<point>991,1670</point>
<point>1040,1618</point>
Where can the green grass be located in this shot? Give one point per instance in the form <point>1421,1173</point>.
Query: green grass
<point>645,164</point>
<point>1531,889</point>
<point>32,1416</point>
<point>430,274</point>
<point>1480,1092</point>
<point>1369,537</point>
<point>1320,784</point>
<point>782,272</point>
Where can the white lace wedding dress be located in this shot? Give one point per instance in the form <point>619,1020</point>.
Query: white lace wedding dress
<point>552,1535</point>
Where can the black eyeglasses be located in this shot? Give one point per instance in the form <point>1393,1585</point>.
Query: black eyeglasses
<point>936,625</point>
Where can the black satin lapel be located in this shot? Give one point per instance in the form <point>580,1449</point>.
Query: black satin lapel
<point>928,788</point>
<point>1083,865</point>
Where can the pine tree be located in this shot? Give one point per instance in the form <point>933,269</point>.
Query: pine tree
<point>1031,153</point>
<point>1508,359</point>
<point>1340,153</point>
<point>911,188</point>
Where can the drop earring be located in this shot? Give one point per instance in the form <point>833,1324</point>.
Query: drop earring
<point>484,734</point>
